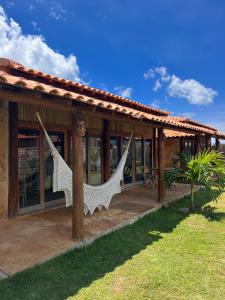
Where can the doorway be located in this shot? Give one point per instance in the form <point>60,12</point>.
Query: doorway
<point>35,164</point>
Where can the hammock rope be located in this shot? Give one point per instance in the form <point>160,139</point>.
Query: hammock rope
<point>94,196</point>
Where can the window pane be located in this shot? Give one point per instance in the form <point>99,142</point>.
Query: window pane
<point>139,159</point>
<point>29,163</point>
<point>114,153</point>
<point>127,173</point>
<point>58,140</point>
<point>95,163</point>
<point>148,156</point>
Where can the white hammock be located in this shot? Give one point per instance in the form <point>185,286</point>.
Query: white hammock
<point>94,196</point>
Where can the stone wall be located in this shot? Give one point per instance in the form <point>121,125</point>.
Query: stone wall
<point>172,146</point>
<point>3,158</point>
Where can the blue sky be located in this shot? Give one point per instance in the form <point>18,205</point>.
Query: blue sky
<point>166,53</point>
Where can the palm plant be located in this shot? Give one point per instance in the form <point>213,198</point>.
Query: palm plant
<point>206,169</point>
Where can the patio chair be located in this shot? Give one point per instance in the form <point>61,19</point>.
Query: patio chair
<point>150,179</point>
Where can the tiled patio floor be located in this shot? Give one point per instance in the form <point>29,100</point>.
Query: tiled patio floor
<point>29,240</point>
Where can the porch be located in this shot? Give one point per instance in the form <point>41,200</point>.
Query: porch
<point>33,239</point>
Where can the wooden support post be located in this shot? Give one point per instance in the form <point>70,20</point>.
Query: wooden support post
<point>208,142</point>
<point>154,148</point>
<point>106,150</point>
<point>217,144</point>
<point>197,144</point>
<point>161,166</point>
<point>78,131</point>
<point>181,145</point>
<point>13,196</point>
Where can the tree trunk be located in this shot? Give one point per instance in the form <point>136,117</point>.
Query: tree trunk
<point>192,197</point>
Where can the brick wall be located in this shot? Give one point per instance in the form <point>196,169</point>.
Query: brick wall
<point>3,158</point>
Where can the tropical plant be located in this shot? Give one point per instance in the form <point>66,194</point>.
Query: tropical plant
<point>206,169</point>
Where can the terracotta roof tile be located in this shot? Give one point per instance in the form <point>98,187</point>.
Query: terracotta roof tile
<point>121,106</point>
<point>16,66</point>
<point>176,134</point>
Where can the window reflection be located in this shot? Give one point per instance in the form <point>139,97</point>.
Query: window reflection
<point>189,147</point>
<point>115,153</point>
<point>29,163</point>
<point>95,164</point>
<point>127,173</point>
<point>58,140</point>
<point>139,159</point>
<point>148,156</point>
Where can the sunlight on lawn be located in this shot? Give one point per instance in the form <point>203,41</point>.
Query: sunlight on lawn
<point>166,255</point>
<point>184,263</point>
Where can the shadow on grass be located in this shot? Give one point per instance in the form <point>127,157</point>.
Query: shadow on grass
<point>67,274</point>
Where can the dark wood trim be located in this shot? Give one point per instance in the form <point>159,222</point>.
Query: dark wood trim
<point>208,142</point>
<point>161,166</point>
<point>217,144</point>
<point>13,196</point>
<point>106,150</point>
<point>48,126</point>
<point>42,168</point>
<point>181,144</point>
<point>197,144</point>
<point>26,96</point>
<point>78,190</point>
<point>154,148</point>
<point>133,151</point>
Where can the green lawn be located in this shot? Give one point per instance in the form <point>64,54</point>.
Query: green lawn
<point>166,255</point>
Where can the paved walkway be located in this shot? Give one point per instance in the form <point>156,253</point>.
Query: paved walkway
<point>29,240</point>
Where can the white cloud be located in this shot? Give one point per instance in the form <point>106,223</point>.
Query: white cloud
<point>188,115</point>
<point>155,103</point>
<point>10,3</point>
<point>35,26</point>
<point>149,74</point>
<point>33,51</point>
<point>191,90</point>
<point>162,71</point>
<point>57,12</point>
<point>157,85</point>
<point>124,92</point>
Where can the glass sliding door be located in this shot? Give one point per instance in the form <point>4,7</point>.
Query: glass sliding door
<point>127,173</point>
<point>189,147</point>
<point>148,156</point>
<point>115,153</point>
<point>95,160</point>
<point>29,166</point>
<point>139,160</point>
<point>58,140</point>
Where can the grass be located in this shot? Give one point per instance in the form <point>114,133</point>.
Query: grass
<point>166,255</point>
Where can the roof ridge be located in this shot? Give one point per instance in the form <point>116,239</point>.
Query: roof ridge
<point>5,62</point>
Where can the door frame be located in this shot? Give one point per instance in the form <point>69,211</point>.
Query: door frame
<point>49,127</point>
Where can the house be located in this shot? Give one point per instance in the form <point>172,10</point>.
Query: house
<point>68,109</point>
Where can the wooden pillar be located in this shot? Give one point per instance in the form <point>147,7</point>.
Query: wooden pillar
<point>78,131</point>
<point>217,144</point>
<point>106,150</point>
<point>197,144</point>
<point>208,141</point>
<point>154,148</point>
<point>161,166</point>
<point>181,145</point>
<point>13,196</point>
